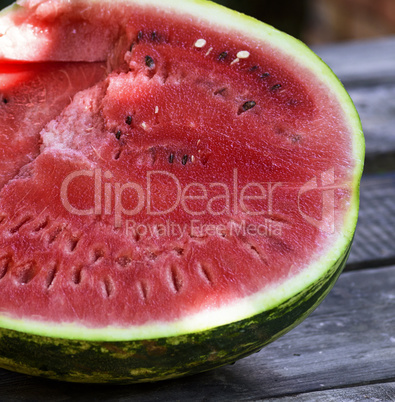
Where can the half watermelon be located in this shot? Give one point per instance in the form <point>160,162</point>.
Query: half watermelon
<point>179,187</point>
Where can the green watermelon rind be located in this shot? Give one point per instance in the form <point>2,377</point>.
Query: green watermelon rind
<point>163,358</point>
<point>14,7</point>
<point>211,338</point>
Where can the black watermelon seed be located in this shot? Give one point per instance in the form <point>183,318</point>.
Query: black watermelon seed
<point>223,56</point>
<point>297,138</point>
<point>275,87</point>
<point>265,75</point>
<point>171,158</point>
<point>149,61</point>
<point>254,68</point>
<point>118,134</point>
<point>118,154</point>
<point>139,36</point>
<point>154,35</point>
<point>128,120</point>
<point>184,159</point>
<point>248,105</point>
<point>220,91</point>
<point>5,101</point>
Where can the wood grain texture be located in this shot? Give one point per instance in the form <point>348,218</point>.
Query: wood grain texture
<point>361,63</point>
<point>376,107</point>
<point>373,392</point>
<point>367,69</point>
<point>349,340</point>
<point>375,235</point>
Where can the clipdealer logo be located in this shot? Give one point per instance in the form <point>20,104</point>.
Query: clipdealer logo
<point>194,198</point>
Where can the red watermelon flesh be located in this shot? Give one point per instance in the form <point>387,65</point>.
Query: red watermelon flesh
<point>198,172</point>
<point>31,96</point>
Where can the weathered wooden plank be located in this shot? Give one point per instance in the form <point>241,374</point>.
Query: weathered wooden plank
<point>348,340</point>
<point>367,69</point>
<point>375,235</point>
<point>361,63</point>
<point>376,107</point>
<point>375,392</point>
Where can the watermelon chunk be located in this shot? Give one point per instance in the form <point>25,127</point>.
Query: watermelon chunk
<point>179,187</point>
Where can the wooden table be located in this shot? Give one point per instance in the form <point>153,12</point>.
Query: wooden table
<point>345,351</point>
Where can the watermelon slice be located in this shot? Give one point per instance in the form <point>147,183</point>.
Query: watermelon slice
<point>179,187</point>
